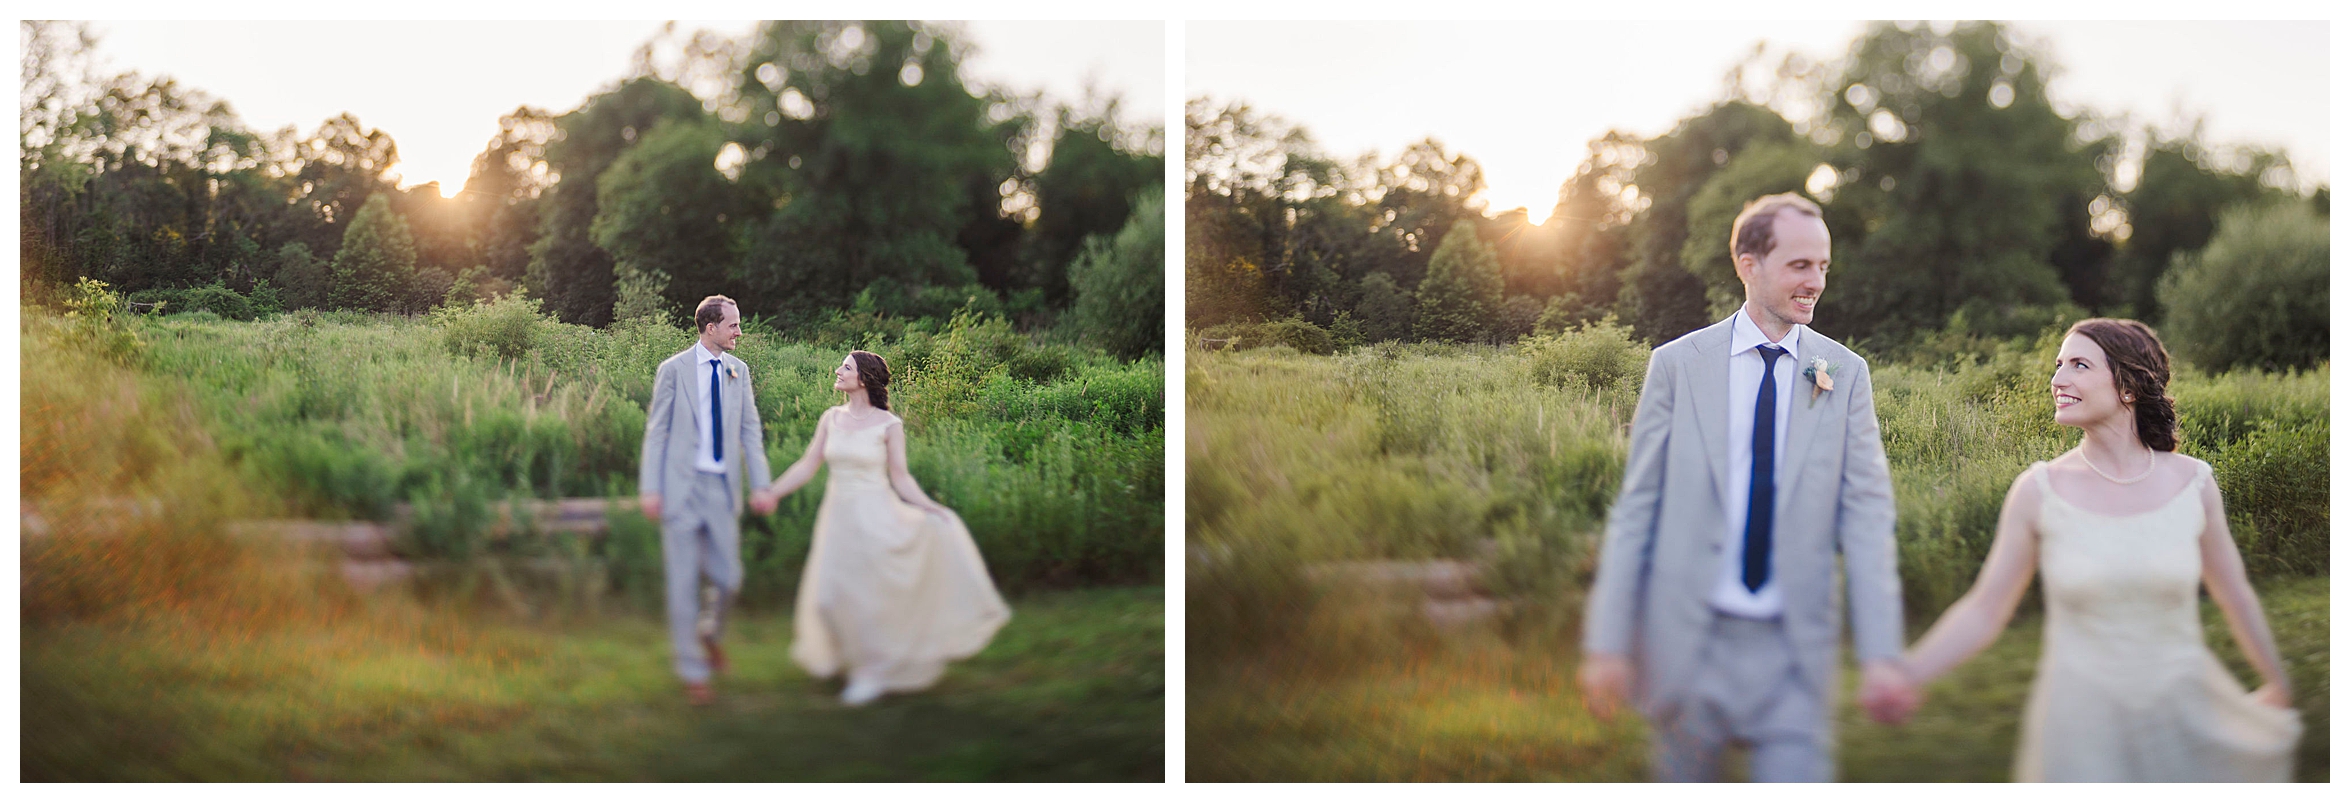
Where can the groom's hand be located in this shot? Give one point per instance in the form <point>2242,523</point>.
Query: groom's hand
<point>650,504</point>
<point>1606,681</point>
<point>764,503</point>
<point>1887,693</point>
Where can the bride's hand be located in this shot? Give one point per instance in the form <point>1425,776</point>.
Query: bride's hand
<point>2273,695</point>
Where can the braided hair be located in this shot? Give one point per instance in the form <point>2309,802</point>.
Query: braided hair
<point>2141,369</point>
<point>874,373</point>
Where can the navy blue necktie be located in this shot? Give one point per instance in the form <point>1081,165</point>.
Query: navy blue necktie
<point>717,440</point>
<point>1759,489</point>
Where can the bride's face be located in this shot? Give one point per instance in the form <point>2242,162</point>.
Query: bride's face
<point>844,378</point>
<point>2083,385</point>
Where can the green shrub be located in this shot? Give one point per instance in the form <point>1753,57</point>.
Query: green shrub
<point>1042,364</point>
<point>2256,295</point>
<point>95,319</point>
<point>1119,282</point>
<point>1298,334</point>
<point>505,328</point>
<point>1598,356</point>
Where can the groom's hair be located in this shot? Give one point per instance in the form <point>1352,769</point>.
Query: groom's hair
<point>710,311</point>
<point>1751,233</point>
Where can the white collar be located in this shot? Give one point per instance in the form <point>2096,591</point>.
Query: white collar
<point>702,355</point>
<point>1745,335</point>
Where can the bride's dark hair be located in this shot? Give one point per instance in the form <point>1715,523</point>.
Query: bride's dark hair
<point>2141,369</point>
<point>874,372</point>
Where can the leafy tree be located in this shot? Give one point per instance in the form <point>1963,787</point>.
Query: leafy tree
<point>377,263</point>
<point>342,166</point>
<point>1462,293</point>
<point>1120,281</point>
<point>2256,295</point>
<point>881,155</point>
<point>1229,214</point>
<point>1590,224</point>
<point>306,279</point>
<point>427,288</point>
<point>504,189</point>
<point>1086,189</point>
<point>1531,256</point>
<point>1384,309</point>
<point>1959,182</point>
<point>1661,298</point>
<point>2182,188</point>
<point>1423,196</point>
<point>1518,315</point>
<point>1761,170</point>
<point>567,269</point>
<point>670,220</point>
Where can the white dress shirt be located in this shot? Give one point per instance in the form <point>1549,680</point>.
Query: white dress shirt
<point>705,459</point>
<point>1746,372</point>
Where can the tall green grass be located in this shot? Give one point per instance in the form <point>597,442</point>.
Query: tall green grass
<point>1510,457</point>
<point>344,416</point>
<point>1428,451</point>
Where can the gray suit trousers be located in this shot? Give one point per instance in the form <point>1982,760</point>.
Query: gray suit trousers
<point>1747,691</point>
<point>700,537</point>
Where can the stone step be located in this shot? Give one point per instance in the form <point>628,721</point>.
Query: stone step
<point>1449,594</point>
<point>1436,579</point>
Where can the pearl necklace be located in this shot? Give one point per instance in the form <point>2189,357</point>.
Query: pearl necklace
<point>2110,478</point>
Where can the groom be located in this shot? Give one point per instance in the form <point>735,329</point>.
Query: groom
<point>702,440</point>
<point>1755,463</point>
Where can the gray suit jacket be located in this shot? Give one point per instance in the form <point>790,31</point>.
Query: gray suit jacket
<point>674,420</point>
<point>1664,543</point>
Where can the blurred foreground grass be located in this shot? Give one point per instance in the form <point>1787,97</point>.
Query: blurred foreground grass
<point>1479,710</point>
<point>1071,690</point>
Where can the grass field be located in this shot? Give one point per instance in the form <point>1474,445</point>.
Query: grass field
<point>1071,690</point>
<point>1510,457</point>
<point>1481,709</point>
<point>157,645</point>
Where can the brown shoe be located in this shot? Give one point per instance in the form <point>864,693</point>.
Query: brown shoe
<point>699,694</point>
<point>717,655</point>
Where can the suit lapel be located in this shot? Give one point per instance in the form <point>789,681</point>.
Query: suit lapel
<point>693,383</point>
<point>1710,392</point>
<point>1803,421</point>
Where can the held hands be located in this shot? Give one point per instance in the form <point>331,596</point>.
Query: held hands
<point>1888,693</point>
<point>1606,680</point>
<point>2271,694</point>
<point>763,501</point>
<point>650,504</point>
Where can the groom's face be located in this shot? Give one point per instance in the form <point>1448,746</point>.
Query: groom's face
<point>723,334</point>
<point>1784,285</point>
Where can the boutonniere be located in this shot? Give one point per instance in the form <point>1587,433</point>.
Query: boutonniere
<point>730,372</point>
<point>1822,376</point>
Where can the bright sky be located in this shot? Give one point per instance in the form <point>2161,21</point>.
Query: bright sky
<point>439,87</point>
<point>1525,99</point>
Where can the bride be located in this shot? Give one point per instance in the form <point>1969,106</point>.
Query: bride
<point>894,587</point>
<point>2120,530</point>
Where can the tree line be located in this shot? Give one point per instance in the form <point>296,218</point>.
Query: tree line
<point>809,169</point>
<point>1962,201</point>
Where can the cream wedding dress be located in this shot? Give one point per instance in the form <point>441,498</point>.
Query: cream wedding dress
<point>2126,690</point>
<point>891,593</point>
